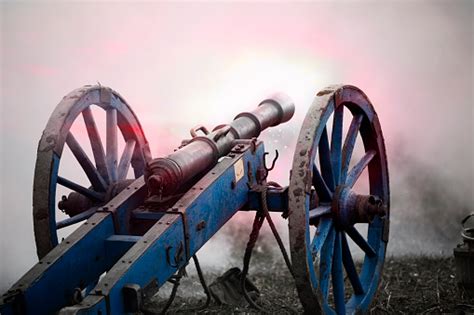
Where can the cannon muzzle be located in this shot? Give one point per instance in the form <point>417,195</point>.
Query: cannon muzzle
<point>166,175</point>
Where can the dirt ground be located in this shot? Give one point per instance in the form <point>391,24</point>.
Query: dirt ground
<point>423,285</point>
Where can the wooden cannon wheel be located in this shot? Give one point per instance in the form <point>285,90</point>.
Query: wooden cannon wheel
<point>104,176</point>
<point>322,197</point>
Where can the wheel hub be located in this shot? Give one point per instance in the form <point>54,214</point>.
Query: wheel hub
<point>349,208</point>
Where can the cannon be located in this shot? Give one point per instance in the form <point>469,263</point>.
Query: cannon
<point>138,221</point>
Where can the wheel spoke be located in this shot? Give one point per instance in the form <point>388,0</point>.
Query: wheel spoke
<point>324,228</point>
<point>319,184</point>
<point>350,267</point>
<point>360,241</point>
<point>325,160</point>
<point>325,266</point>
<point>357,170</point>
<point>336,142</point>
<point>349,144</point>
<point>112,148</point>
<point>80,189</point>
<point>76,219</point>
<point>126,159</point>
<point>96,143</point>
<point>94,177</point>
<point>319,211</point>
<point>338,276</point>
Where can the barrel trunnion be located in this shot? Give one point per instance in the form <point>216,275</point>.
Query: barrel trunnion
<point>139,232</point>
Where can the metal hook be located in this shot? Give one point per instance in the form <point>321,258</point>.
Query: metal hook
<point>273,162</point>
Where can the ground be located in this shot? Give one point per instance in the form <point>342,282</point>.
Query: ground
<point>422,285</point>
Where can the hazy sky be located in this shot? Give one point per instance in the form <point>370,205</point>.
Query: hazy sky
<point>180,64</point>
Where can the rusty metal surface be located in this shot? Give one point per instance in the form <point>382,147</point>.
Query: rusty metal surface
<point>166,175</point>
<point>313,267</point>
<point>51,145</point>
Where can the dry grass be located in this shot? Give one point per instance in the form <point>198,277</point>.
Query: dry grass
<point>422,285</point>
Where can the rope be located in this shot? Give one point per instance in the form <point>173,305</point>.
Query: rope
<point>257,224</point>
<point>204,286</point>
<point>176,280</point>
<point>274,230</point>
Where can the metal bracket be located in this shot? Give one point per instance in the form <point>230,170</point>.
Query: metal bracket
<point>178,211</point>
<point>195,129</point>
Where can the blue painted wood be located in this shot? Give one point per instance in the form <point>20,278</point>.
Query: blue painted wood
<point>212,200</point>
<point>324,229</point>
<point>125,160</point>
<point>277,200</point>
<point>52,200</point>
<point>366,123</point>
<point>93,175</point>
<point>146,215</point>
<point>371,269</point>
<point>319,211</point>
<point>360,241</point>
<point>338,276</point>
<point>336,142</point>
<point>350,267</point>
<point>74,263</point>
<point>96,143</point>
<point>359,167</point>
<point>145,261</point>
<point>322,190</point>
<point>93,195</point>
<point>349,144</point>
<point>325,263</point>
<point>325,161</point>
<point>76,219</point>
<point>111,152</point>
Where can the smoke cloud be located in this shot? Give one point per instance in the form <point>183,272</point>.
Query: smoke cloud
<point>182,64</point>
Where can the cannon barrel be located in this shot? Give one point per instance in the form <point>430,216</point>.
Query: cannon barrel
<point>166,175</point>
